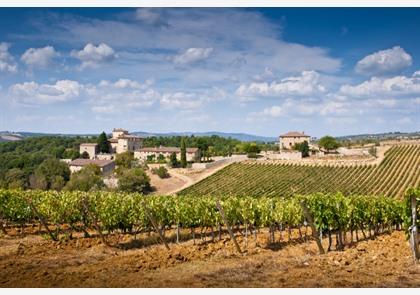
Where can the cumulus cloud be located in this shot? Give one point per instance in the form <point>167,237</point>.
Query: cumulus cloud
<point>7,62</point>
<point>33,93</point>
<point>40,57</point>
<point>394,86</point>
<point>193,55</point>
<point>308,83</point>
<point>92,56</point>
<point>384,62</point>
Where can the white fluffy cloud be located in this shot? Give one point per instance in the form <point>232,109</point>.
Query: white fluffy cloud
<point>395,86</point>
<point>92,56</point>
<point>7,63</point>
<point>41,57</point>
<point>193,55</point>
<point>384,62</point>
<point>306,84</point>
<point>33,93</point>
<point>180,100</point>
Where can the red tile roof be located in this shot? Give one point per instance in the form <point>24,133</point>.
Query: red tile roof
<point>84,162</point>
<point>166,150</point>
<point>294,134</point>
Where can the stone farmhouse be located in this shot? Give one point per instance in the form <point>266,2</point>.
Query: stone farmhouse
<point>106,166</point>
<point>288,140</point>
<point>121,141</point>
<point>143,153</point>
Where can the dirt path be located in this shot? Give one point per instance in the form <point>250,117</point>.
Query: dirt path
<point>35,262</point>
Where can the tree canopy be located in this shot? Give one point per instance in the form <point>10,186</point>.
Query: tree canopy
<point>103,143</point>
<point>328,143</point>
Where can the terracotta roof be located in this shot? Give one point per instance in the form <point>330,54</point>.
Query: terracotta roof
<point>294,134</point>
<point>89,144</point>
<point>119,130</point>
<point>84,162</point>
<point>166,150</point>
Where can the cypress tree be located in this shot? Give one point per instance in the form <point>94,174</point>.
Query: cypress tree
<point>183,153</point>
<point>103,143</point>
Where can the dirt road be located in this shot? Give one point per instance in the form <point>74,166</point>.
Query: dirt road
<point>35,262</point>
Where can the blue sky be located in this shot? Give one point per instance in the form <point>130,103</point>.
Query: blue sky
<point>261,71</point>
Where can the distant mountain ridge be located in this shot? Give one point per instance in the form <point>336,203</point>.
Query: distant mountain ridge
<point>238,136</point>
<point>13,136</point>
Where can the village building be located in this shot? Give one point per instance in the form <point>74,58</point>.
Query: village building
<point>122,141</point>
<point>106,166</point>
<point>142,154</point>
<point>287,141</point>
<point>90,148</point>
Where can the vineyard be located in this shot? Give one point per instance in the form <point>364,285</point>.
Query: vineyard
<point>399,170</point>
<point>134,213</point>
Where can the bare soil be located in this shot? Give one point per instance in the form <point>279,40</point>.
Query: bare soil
<point>33,261</point>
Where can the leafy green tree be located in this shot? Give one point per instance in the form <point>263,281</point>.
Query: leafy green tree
<point>183,153</point>
<point>124,161</point>
<point>89,178</point>
<point>328,143</point>
<point>15,179</point>
<point>303,148</point>
<point>161,158</point>
<point>54,172</point>
<point>134,180</point>
<point>162,172</point>
<point>103,143</point>
<point>71,154</point>
<point>173,161</point>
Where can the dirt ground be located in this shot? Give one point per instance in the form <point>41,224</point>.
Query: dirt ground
<point>33,261</point>
<point>180,179</point>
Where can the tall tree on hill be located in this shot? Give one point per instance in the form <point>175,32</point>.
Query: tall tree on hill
<point>103,143</point>
<point>183,153</point>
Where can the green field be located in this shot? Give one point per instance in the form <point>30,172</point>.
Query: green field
<point>399,170</point>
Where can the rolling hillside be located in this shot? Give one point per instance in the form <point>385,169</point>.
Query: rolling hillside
<point>399,170</point>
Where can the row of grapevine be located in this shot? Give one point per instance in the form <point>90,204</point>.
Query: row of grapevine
<point>399,170</point>
<point>332,213</point>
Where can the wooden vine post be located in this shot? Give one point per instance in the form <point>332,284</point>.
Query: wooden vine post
<point>42,220</point>
<point>310,220</point>
<point>155,225</point>
<point>232,236</point>
<point>414,238</point>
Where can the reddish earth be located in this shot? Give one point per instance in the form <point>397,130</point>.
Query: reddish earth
<point>33,261</point>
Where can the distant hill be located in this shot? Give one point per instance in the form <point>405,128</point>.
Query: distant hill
<point>238,136</point>
<point>380,136</point>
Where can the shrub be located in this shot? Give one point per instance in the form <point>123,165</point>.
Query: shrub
<point>162,172</point>
<point>87,179</point>
<point>134,180</point>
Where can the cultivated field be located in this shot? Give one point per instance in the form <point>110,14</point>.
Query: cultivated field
<point>399,170</point>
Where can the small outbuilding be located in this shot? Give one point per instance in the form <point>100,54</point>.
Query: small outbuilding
<point>106,166</point>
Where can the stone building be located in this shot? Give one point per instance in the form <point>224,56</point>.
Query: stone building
<point>122,141</point>
<point>288,140</point>
<point>90,148</point>
<point>106,166</point>
<point>141,154</point>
